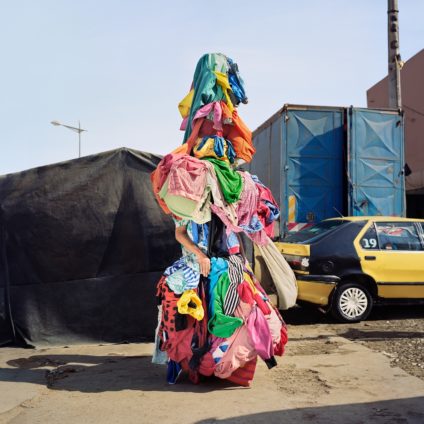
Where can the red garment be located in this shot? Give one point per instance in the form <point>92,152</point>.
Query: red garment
<point>177,344</point>
<point>247,296</point>
<point>280,347</point>
<point>169,300</point>
<point>207,364</point>
<point>262,305</point>
<point>263,210</point>
<point>245,293</point>
<point>244,376</point>
<point>236,132</point>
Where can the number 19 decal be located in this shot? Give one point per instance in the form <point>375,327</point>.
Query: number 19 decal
<point>370,243</point>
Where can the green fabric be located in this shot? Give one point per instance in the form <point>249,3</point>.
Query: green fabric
<point>230,181</point>
<point>221,325</point>
<point>206,90</point>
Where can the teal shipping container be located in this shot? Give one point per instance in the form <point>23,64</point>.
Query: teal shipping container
<point>322,162</point>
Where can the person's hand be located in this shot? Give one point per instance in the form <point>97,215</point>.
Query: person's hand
<point>204,264</point>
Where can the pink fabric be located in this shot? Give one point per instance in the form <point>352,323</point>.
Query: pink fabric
<point>164,166</point>
<point>245,209</point>
<point>187,177</point>
<point>248,206</point>
<point>160,174</point>
<point>184,123</point>
<point>249,200</point>
<point>274,324</point>
<point>241,350</point>
<point>226,212</point>
<point>239,353</point>
<point>260,334</point>
<point>214,107</point>
<point>243,311</point>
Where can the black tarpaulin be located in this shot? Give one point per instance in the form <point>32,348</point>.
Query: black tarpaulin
<point>83,244</point>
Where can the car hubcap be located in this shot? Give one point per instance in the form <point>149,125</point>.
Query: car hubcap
<point>353,302</point>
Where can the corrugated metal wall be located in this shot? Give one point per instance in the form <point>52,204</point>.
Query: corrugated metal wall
<point>317,168</point>
<point>313,163</point>
<point>376,162</point>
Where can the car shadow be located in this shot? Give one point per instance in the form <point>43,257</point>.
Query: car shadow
<point>376,335</point>
<point>305,315</point>
<point>407,410</point>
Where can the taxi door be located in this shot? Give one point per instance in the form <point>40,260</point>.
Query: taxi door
<point>392,252</point>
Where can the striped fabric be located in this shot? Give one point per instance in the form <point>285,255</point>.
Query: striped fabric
<point>244,376</point>
<point>190,276</point>
<point>235,273</point>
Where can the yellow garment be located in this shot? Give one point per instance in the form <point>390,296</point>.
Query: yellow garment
<point>208,150</point>
<point>222,80</point>
<point>185,104</point>
<point>250,282</point>
<point>190,303</point>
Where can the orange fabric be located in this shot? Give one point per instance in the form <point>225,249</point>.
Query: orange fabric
<point>239,135</point>
<point>191,141</point>
<point>155,179</point>
<point>180,150</point>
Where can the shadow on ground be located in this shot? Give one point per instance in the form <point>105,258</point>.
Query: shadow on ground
<point>94,374</point>
<point>374,335</point>
<point>396,411</point>
<point>304,315</point>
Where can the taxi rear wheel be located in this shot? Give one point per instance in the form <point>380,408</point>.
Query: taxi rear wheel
<point>351,303</point>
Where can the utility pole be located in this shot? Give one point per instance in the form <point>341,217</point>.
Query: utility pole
<point>79,130</point>
<point>395,63</point>
<point>79,139</point>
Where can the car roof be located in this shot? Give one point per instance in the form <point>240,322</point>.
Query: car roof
<point>376,219</point>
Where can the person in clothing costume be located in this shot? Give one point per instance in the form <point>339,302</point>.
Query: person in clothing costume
<point>214,318</point>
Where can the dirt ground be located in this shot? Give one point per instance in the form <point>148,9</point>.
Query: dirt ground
<point>395,331</point>
<point>331,373</point>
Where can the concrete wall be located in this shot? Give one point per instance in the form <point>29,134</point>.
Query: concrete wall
<point>412,80</point>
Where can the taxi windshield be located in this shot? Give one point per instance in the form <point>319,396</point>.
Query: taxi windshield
<point>314,232</point>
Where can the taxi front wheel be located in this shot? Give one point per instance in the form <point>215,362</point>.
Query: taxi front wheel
<point>351,303</point>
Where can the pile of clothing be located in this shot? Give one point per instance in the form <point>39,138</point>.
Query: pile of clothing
<point>218,324</point>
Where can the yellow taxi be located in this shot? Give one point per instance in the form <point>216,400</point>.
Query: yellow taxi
<point>346,265</point>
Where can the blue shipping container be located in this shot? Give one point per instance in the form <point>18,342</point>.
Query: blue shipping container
<point>375,163</point>
<point>321,162</point>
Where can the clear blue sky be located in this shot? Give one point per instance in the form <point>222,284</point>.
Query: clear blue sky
<point>122,66</point>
